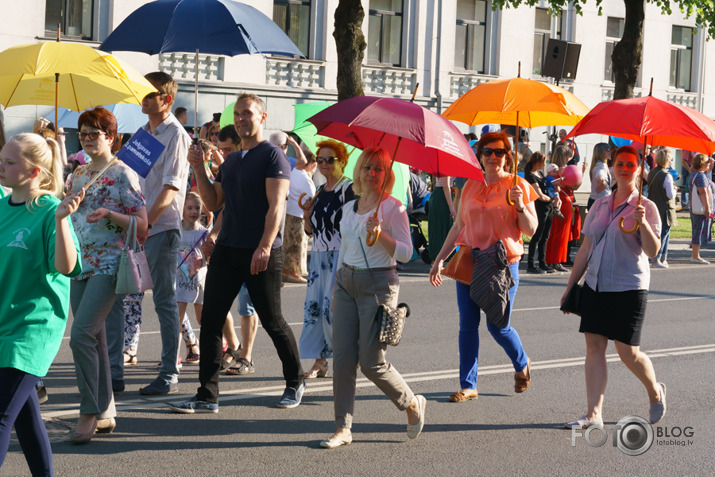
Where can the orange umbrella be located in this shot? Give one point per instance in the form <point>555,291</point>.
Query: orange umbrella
<point>519,102</point>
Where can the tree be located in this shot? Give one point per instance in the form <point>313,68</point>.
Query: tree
<point>628,53</point>
<point>350,42</point>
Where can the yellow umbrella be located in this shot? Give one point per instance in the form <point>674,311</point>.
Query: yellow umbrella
<point>519,102</point>
<point>70,75</point>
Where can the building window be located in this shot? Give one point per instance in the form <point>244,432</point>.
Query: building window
<point>470,39</point>
<point>384,37</point>
<point>542,34</point>
<point>614,33</point>
<point>681,57</point>
<point>73,16</point>
<point>293,16</point>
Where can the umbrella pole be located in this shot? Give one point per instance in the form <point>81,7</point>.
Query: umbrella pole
<point>516,151</point>
<point>196,95</point>
<point>371,239</point>
<point>57,101</point>
<point>640,192</point>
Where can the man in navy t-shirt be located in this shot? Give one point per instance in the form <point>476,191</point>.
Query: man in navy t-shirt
<point>251,185</point>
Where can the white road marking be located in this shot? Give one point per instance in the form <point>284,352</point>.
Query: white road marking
<point>320,385</point>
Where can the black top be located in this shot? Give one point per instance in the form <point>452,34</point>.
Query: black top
<point>326,216</point>
<point>243,179</point>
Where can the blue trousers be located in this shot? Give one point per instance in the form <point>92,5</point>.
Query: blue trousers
<point>469,318</point>
<point>20,408</point>
<point>664,242</point>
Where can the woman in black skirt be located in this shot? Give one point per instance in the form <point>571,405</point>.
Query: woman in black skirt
<point>614,295</point>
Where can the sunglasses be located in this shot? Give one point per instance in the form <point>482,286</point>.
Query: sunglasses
<point>153,95</point>
<point>499,152</point>
<point>92,135</point>
<point>215,133</point>
<point>327,159</point>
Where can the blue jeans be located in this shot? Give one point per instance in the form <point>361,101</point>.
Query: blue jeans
<point>245,305</point>
<point>20,408</point>
<point>469,318</point>
<point>684,191</point>
<point>664,241</point>
<point>162,252</point>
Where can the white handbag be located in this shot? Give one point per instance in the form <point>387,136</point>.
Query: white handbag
<point>133,275</point>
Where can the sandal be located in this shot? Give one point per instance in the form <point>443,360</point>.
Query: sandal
<point>521,383</point>
<point>317,371</point>
<point>460,396</point>
<point>130,359</point>
<point>230,357</point>
<point>191,357</point>
<point>242,367</point>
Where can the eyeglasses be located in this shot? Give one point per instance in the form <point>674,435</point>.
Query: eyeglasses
<point>499,152</point>
<point>215,133</point>
<point>327,159</point>
<point>92,135</point>
<point>153,95</point>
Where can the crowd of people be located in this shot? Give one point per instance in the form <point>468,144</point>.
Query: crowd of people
<point>230,215</point>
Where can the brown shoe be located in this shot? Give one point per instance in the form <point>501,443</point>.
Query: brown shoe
<point>522,383</point>
<point>460,396</point>
<point>291,278</point>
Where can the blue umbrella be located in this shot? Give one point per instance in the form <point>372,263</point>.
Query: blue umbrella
<point>129,117</point>
<point>219,27</point>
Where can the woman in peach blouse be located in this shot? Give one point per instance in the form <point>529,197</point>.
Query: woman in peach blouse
<point>484,218</point>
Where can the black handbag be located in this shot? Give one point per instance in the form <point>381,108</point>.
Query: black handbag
<point>572,302</point>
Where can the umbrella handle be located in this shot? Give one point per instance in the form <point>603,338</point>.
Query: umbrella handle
<point>508,198</point>
<point>300,199</point>
<point>625,230</point>
<point>371,238</point>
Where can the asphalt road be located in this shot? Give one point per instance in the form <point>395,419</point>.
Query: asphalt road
<point>501,433</point>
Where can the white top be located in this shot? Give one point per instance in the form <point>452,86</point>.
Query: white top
<point>669,186</point>
<point>439,181</point>
<point>393,221</point>
<point>300,182</point>
<point>600,171</point>
<point>171,168</point>
<point>617,261</point>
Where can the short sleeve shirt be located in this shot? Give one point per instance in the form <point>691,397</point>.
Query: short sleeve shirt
<point>487,217</point>
<point>102,242</point>
<point>34,302</point>
<point>243,180</point>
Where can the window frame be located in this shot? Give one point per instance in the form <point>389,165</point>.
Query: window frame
<point>469,46</point>
<point>383,41</point>
<point>52,33</point>
<point>286,30</point>
<point>679,48</point>
<point>613,41</point>
<point>557,28</point>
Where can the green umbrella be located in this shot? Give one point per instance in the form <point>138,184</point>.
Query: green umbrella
<point>307,132</point>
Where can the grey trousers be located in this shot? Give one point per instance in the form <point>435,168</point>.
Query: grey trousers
<point>91,300</point>
<point>356,340</point>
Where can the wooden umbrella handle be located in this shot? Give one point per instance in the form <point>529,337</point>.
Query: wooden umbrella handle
<point>371,238</point>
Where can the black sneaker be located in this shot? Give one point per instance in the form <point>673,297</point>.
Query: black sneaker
<point>547,269</point>
<point>535,270</point>
<point>160,386</point>
<point>560,268</point>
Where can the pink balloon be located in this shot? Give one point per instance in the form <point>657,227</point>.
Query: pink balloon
<point>571,175</point>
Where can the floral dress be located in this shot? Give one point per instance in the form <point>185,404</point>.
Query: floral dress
<point>316,339</point>
<point>117,190</point>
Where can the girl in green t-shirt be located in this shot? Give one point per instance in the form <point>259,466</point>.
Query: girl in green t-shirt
<point>39,247</point>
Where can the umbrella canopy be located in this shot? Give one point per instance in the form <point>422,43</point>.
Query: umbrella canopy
<point>650,120</point>
<point>129,117</point>
<point>502,101</point>
<point>426,140</point>
<point>221,27</point>
<point>70,75</point>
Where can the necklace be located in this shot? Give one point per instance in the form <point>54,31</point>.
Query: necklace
<point>190,227</point>
<point>335,186</point>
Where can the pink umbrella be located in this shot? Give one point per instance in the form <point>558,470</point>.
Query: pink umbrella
<point>423,139</point>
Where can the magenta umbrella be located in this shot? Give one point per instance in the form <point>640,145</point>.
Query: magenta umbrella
<point>418,137</point>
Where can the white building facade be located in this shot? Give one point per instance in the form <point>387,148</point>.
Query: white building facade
<point>447,46</point>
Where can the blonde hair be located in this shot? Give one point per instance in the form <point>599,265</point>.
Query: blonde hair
<point>195,196</point>
<point>663,157</point>
<point>699,160</point>
<point>561,155</point>
<point>45,154</point>
<point>383,159</point>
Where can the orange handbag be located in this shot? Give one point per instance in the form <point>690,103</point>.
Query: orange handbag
<point>461,267</point>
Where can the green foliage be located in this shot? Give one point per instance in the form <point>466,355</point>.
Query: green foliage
<point>702,10</point>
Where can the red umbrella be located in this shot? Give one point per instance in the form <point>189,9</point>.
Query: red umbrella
<point>418,137</point>
<point>649,121</point>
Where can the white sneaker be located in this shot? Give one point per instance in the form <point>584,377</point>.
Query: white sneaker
<point>583,423</point>
<point>657,264</point>
<point>699,261</point>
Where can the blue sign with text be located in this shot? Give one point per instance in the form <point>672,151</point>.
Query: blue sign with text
<point>141,152</point>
